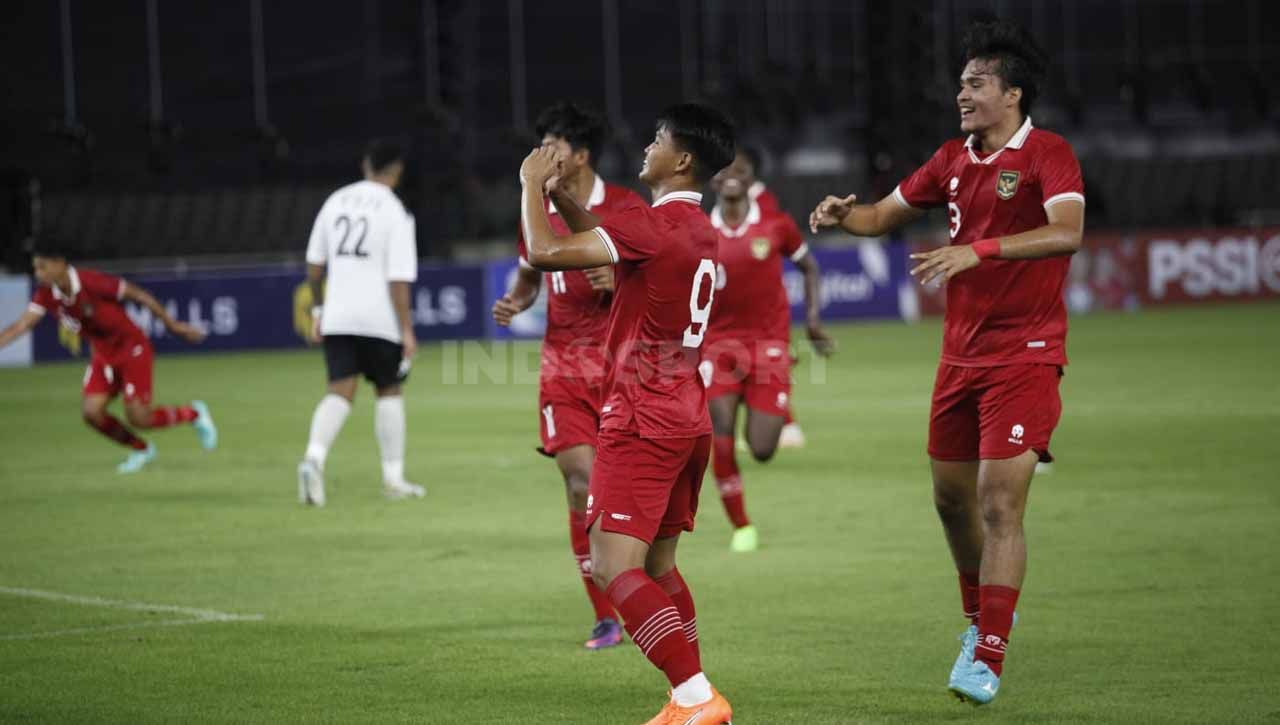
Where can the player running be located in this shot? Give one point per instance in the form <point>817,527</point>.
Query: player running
<point>364,245</point>
<point>746,358</point>
<point>1015,203</point>
<point>90,304</point>
<point>572,370</point>
<point>654,436</point>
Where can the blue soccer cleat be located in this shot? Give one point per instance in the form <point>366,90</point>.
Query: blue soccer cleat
<point>137,460</point>
<point>976,684</point>
<point>968,642</point>
<point>205,429</point>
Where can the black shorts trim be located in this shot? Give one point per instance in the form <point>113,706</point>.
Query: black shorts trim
<point>376,359</point>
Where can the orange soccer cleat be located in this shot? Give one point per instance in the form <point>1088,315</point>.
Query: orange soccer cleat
<point>715,711</point>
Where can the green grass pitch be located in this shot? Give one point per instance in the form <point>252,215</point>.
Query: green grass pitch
<point>1151,595</point>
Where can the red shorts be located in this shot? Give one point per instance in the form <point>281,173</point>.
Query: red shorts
<point>129,374</point>
<point>569,413</point>
<point>646,488</point>
<point>993,413</point>
<point>757,372</point>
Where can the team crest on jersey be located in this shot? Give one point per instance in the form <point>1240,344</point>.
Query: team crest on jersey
<point>760,248</point>
<point>1007,184</point>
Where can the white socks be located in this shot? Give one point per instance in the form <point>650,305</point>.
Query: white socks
<point>330,414</point>
<point>388,426</point>
<point>693,691</point>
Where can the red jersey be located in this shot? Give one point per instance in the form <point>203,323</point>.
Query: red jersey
<point>577,315</point>
<point>1003,311</point>
<point>767,200</point>
<point>664,281</point>
<point>93,311</point>
<point>751,302</point>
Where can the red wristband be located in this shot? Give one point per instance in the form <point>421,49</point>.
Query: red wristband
<point>986,248</point>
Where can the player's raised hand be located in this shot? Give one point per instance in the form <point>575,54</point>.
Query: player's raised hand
<point>830,212</point>
<point>944,262</point>
<point>601,278</point>
<point>539,166</point>
<point>505,308</point>
<point>189,333</point>
<point>823,344</point>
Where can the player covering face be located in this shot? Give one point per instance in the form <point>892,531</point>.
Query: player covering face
<point>747,359</point>
<point>654,437</point>
<point>1015,208</point>
<point>91,305</point>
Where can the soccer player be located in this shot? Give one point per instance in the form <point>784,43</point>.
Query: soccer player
<point>654,436</point>
<point>746,357</point>
<point>1015,204</point>
<point>90,304</point>
<point>364,245</point>
<point>572,369</point>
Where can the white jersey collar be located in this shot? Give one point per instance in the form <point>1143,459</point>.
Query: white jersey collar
<point>717,220</point>
<point>691,197</point>
<point>596,198</point>
<point>1015,142</point>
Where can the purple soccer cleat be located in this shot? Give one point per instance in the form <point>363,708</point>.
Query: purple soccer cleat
<point>607,633</point>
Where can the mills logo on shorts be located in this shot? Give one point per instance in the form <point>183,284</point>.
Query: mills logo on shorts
<point>1015,435</point>
<point>1007,184</point>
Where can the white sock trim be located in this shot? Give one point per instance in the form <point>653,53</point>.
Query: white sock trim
<point>693,691</point>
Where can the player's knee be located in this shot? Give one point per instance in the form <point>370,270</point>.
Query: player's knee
<point>603,571</point>
<point>92,416</point>
<point>762,451</point>
<point>576,484</point>
<point>1000,514</point>
<point>138,418</point>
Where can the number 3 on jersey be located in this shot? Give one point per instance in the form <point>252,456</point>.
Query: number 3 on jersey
<point>953,218</point>
<point>700,315</point>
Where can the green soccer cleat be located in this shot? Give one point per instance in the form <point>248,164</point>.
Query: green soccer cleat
<point>744,540</point>
<point>137,460</point>
<point>205,429</point>
<point>976,684</point>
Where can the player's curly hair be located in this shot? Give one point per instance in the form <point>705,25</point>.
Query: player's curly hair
<point>1020,61</point>
<point>582,127</point>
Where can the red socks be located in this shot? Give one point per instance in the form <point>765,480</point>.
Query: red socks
<point>654,624</point>
<point>969,595</point>
<point>673,584</point>
<point>997,604</point>
<point>112,428</point>
<point>165,416</point>
<point>729,482</point>
<point>582,553</point>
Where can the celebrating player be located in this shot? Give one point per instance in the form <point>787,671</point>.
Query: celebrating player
<point>89,303</point>
<point>572,370</point>
<point>746,356</point>
<point>1015,203</point>
<point>654,436</point>
<point>364,243</point>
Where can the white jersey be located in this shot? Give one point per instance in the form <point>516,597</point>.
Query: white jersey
<point>367,240</point>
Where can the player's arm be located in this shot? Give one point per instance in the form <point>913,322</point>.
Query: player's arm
<point>524,290</point>
<point>1060,237</point>
<point>864,220</point>
<point>547,251</point>
<point>400,301</point>
<point>315,282</point>
<point>822,342</point>
<point>578,219</point>
<point>134,293</point>
<point>21,326</point>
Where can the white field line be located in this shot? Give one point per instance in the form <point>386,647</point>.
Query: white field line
<point>191,614</point>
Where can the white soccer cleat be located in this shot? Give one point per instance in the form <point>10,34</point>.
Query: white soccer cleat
<point>791,436</point>
<point>398,490</point>
<point>310,483</point>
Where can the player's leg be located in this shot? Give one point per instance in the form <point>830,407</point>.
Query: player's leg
<point>93,409</point>
<point>380,362</point>
<point>763,432</point>
<point>724,463</point>
<point>136,374</point>
<point>767,393</point>
<point>575,463</point>
<point>660,565</point>
<point>342,368</point>
<point>101,384</point>
<point>632,476</point>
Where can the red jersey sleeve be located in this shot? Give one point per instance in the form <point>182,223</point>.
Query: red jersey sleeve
<point>632,234</point>
<point>42,300</point>
<point>790,238</point>
<point>1058,172</point>
<point>924,188</point>
<point>100,285</point>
